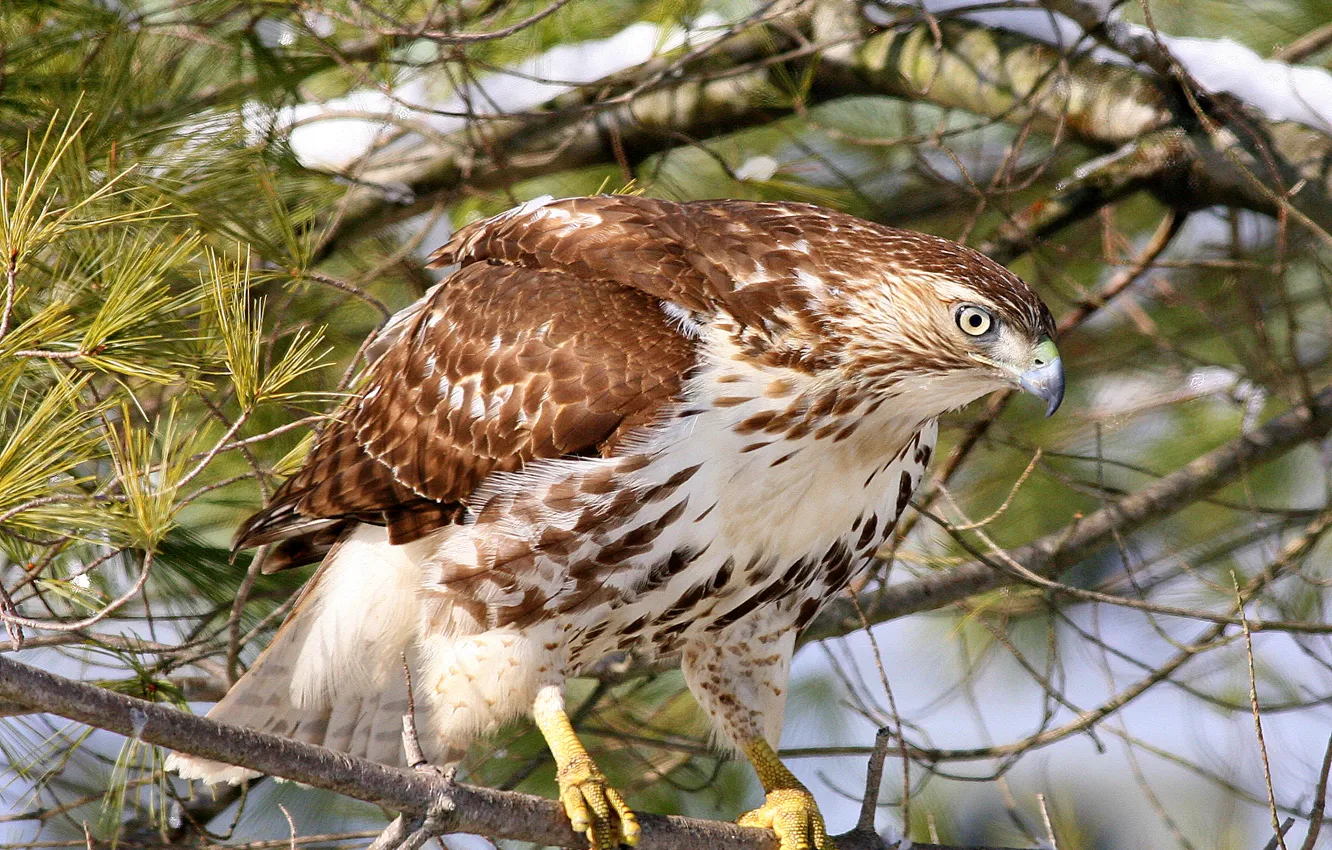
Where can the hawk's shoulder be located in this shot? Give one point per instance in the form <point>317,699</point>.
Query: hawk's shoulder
<point>744,258</point>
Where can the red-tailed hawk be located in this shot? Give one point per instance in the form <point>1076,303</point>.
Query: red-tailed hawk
<point>623,424</point>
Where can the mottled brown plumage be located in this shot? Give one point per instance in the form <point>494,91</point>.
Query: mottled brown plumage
<point>497,366</point>
<point>585,352</point>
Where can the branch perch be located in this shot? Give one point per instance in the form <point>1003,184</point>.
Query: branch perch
<point>453,806</point>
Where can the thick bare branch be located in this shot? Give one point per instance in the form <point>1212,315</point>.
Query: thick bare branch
<point>455,807</point>
<point>999,75</point>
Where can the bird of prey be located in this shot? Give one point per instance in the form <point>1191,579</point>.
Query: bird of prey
<point>622,424</point>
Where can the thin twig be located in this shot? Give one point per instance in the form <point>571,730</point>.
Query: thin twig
<point>411,744</point>
<point>11,287</point>
<point>897,720</point>
<point>238,610</point>
<point>1277,832</point>
<point>1280,834</point>
<point>102,614</point>
<point>1045,818</point>
<point>1008,500</point>
<point>1320,800</point>
<point>869,804</point>
<point>291,826</point>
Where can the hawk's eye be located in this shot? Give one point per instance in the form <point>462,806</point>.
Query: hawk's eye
<point>974,321</point>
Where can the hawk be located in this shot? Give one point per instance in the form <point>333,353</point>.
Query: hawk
<point>623,424</point>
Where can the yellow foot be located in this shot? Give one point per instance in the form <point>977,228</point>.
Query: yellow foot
<point>794,816</point>
<point>595,808</point>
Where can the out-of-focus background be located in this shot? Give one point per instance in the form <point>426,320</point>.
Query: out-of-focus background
<point>208,205</point>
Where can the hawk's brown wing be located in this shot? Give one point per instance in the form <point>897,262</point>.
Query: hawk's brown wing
<point>565,327</point>
<point>498,366</point>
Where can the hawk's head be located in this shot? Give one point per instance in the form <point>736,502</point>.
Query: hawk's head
<point>938,325</point>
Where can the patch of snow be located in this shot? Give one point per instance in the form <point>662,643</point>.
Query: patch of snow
<point>893,837</point>
<point>335,133</point>
<point>757,168</point>
<point>1206,380</point>
<point>317,22</point>
<point>1281,91</point>
<point>272,32</point>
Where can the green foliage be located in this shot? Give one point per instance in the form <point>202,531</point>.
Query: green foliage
<point>143,234</point>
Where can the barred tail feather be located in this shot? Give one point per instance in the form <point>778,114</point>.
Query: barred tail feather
<point>333,673</point>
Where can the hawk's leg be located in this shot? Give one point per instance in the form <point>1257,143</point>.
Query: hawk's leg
<point>593,806</point>
<point>788,808</point>
<point>740,679</point>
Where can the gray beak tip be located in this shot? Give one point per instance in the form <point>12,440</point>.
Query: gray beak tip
<point>1046,382</point>
<point>1052,407</point>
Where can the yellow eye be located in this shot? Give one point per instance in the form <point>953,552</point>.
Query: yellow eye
<point>974,321</point>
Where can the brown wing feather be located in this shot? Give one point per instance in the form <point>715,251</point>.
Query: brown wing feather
<point>740,257</point>
<point>551,340</point>
<point>500,366</point>
<point>689,254</point>
<point>512,364</point>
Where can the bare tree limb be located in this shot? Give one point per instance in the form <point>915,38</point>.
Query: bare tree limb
<point>1306,45</point>
<point>999,75</point>
<point>1055,552</point>
<point>454,807</point>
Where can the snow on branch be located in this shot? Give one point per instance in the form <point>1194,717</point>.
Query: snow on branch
<point>985,68</point>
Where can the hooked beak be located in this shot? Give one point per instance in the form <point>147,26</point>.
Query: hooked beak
<point>1045,378</point>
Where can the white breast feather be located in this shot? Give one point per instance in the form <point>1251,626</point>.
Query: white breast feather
<point>791,509</point>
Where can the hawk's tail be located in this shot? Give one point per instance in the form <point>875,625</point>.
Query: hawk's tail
<point>333,673</point>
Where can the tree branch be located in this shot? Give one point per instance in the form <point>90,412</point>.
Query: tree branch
<point>1306,45</point>
<point>633,114</point>
<point>454,807</point>
<point>1014,78</point>
<point>1095,185</point>
<point>995,74</point>
<point>1055,552</point>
